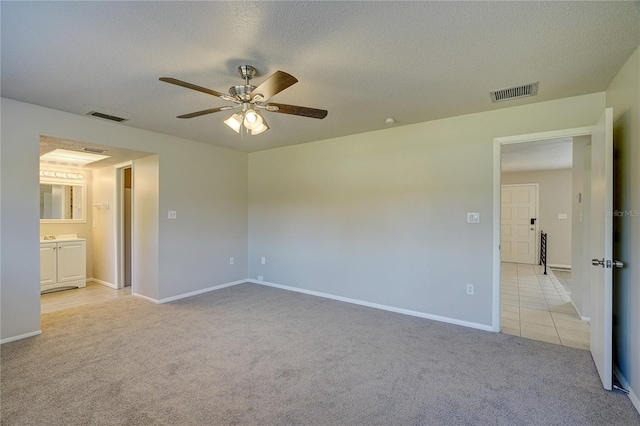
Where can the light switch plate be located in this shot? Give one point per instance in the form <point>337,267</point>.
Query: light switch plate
<point>562,215</point>
<point>173,214</point>
<point>473,217</point>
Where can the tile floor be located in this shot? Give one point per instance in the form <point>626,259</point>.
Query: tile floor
<point>89,295</point>
<point>537,306</point>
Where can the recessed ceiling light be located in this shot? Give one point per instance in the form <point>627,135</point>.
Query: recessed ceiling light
<point>390,121</point>
<point>71,158</point>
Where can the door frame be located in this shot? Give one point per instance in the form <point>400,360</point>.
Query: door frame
<point>119,225</point>
<point>536,243</point>
<point>497,220</point>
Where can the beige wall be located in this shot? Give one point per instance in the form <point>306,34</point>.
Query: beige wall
<point>188,254</point>
<point>104,190</point>
<point>624,96</point>
<point>581,226</point>
<point>381,217</point>
<point>555,198</point>
<point>146,218</point>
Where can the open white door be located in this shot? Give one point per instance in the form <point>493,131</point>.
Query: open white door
<point>602,247</point>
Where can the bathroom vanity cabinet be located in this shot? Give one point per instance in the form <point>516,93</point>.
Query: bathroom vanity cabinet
<point>63,264</point>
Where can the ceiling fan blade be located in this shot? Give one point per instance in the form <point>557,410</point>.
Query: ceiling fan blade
<point>205,112</point>
<point>193,87</point>
<point>297,110</point>
<point>275,84</point>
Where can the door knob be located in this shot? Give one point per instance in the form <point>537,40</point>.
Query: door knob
<point>608,264</point>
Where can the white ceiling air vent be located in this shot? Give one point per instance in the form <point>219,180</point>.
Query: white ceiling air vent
<point>515,92</point>
<point>107,116</point>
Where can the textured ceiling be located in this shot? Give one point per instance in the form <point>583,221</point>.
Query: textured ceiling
<point>539,155</point>
<point>362,61</point>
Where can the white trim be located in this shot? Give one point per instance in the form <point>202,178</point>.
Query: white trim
<point>625,384</point>
<point>497,144</point>
<point>190,294</point>
<point>104,283</point>
<point>118,227</point>
<point>124,164</point>
<point>583,318</point>
<point>20,337</point>
<point>554,134</point>
<point>377,306</point>
<point>558,266</point>
<point>148,299</point>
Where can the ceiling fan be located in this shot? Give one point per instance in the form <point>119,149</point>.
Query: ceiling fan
<point>251,99</point>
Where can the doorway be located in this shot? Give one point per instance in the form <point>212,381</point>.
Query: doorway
<point>124,224</point>
<point>539,299</point>
<point>109,209</point>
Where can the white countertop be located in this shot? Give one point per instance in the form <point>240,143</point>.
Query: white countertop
<point>61,238</point>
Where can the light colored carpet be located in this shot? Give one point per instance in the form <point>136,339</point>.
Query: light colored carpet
<point>253,355</point>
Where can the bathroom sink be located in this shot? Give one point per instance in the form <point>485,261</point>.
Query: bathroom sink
<point>62,237</point>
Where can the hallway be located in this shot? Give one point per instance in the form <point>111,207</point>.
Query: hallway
<point>538,307</point>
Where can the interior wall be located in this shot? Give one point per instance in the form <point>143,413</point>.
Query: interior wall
<point>104,239</point>
<point>580,214</point>
<point>82,229</point>
<point>209,195</point>
<point>381,217</point>
<point>624,96</point>
<point>146,233</point>
<point>191,173</point>
<point>20,227</point>
<point>555,198</point>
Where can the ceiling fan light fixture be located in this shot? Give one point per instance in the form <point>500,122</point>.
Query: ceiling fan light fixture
<point>252,119</point>
<point>234,122</point>
<point>262,128</point>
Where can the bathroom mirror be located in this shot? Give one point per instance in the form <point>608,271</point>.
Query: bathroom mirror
<point>62,202</point>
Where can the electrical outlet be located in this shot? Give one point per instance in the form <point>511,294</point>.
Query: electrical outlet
<point>231,260</point>
<point>470,289</point>
<point>260,278</point>
<point>264,260</point>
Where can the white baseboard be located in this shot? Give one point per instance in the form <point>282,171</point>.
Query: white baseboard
<point>20,337</point>
<point>190,294</point>
<point>582,317</point>
<point>377,306</point>
<point>104,283</point>
<point>625,384</point>
<point>148,299</point>
<point>558,266</point>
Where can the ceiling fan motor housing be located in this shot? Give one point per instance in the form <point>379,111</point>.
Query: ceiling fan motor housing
<point>247,71</point>
<point>242,92</point>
